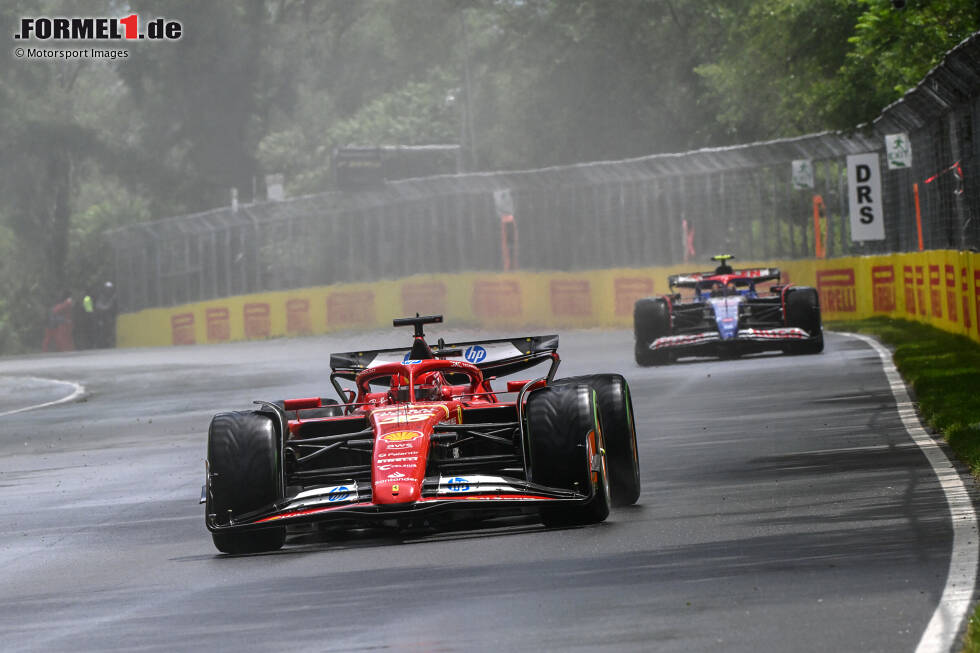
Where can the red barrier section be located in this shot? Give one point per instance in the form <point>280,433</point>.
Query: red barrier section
<point>258,320</point>
<point>350,308</point>
<point>182,329</point>
<point>298,316</point>
<point>976,295</point>
<point>951,293</point>
<point>837,289</point>
<point>935,298</point>
<point>920,297</point>
<point>496,299</point>
<point>629,289</point>
<point>883,288</point>
<point>570,298</point>
<point>218,323</point>
<point>424,297</point>
<point>965,291</point>
<point>908,282</point>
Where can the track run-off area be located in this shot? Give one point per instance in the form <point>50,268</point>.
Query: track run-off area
<point>788,504</point>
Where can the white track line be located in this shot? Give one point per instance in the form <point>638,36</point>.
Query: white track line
<point>78,391</point>
<point>954,604</point>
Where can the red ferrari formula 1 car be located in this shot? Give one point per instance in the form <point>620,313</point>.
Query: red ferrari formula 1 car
<point>727,314</point>
<point>423,436</point>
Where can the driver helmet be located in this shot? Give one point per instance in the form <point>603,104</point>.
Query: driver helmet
<point>428,386</point>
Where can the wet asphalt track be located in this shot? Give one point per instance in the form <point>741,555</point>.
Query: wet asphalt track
<point>784,508</point>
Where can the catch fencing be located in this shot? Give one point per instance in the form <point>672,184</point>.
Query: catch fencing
<point>657,210</point>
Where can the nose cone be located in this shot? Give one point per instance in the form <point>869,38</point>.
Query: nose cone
<point>726,315</point>
<point>401,449</point>
<point>396,491</point>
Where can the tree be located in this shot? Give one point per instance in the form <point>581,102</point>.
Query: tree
<point>891,50</point>
<point>789,67</point>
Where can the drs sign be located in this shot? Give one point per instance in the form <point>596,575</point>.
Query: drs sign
<point>864,189</point>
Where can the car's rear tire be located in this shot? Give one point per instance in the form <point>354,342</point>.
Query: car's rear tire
<point>565,432</point>
<point>619,433</point>
<point>651,320</point>
<point>244,476</point>
<point>803,311</point>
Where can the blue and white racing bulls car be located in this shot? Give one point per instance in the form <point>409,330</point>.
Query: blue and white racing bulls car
<point>727,315</point>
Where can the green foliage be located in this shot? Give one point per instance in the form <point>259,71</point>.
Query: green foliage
<point>943,372</point>
<point>890,51</point>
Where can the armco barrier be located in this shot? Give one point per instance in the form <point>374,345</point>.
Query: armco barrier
<point>940,287</point>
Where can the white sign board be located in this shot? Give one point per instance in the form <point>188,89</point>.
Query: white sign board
<point>898,149</point>
<point>864,193</point>
<point>274,191</point>
<point>504,202</point>
<point>802,174</point>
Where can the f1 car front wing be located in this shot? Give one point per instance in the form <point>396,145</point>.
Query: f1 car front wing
<point>788,334</point>
<point>349,501</point>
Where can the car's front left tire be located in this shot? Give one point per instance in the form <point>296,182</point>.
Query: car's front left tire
<point>567,451</point>
<point>619,433</point>
<point>244,476</point>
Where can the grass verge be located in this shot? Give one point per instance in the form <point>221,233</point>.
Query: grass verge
<point>943,372</point>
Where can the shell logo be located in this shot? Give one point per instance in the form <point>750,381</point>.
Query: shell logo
<point>401,436</point>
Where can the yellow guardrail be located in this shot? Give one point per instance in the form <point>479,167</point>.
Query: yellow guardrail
<point>940,287</point>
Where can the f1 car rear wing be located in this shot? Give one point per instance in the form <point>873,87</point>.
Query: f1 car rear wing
<point>493,357</point>
<point>743,277</point>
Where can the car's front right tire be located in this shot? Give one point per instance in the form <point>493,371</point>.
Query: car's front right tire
<point>803,311</point>
<point>651,320</point>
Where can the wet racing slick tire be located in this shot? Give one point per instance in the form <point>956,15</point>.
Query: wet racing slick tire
<point>619,433</point>
<point>567,451</point>
<point>803,311</point>
<point>651,320</point>
<point>244,471</point>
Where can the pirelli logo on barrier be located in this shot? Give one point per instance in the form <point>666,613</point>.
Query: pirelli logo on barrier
<point>258,321</point>
<point>629,289</point>
<point>935,296</point>
<point>218,322</point>
<point>964,289</point>
<point>908,284</point>
<point>913,277</point>
<point>298,316</point>
<point>570,298</point>
<point>976,296</point>
<point>496,299</point>
<point>838,292</point>
<point>883,288</point>
<point>350,308</point>
<point>951,302</point>
<point>182,329</point>
<point>424,297</point>
<point>920,288</point>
